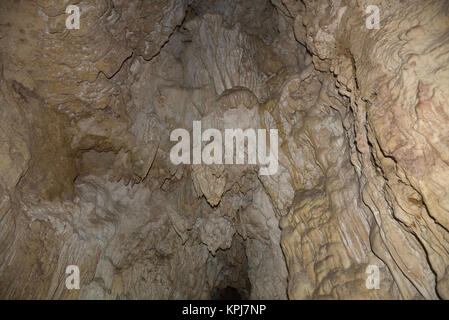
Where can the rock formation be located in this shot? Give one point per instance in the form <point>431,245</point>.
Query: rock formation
<point>86,177</point>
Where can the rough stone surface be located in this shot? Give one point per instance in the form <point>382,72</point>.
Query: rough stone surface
<point>86,178</point>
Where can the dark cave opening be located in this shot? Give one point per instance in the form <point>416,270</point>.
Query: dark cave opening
<point>227,293</point>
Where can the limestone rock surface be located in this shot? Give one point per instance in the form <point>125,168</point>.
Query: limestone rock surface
<point>86,177</point>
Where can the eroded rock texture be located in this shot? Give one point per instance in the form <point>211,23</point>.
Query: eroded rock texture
<point>86,178</point>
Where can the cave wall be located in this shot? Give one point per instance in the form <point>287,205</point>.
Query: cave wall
<point>86,178</point>
<point>386,78</point>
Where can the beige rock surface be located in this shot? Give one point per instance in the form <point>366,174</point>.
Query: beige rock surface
<point>86,178</point>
